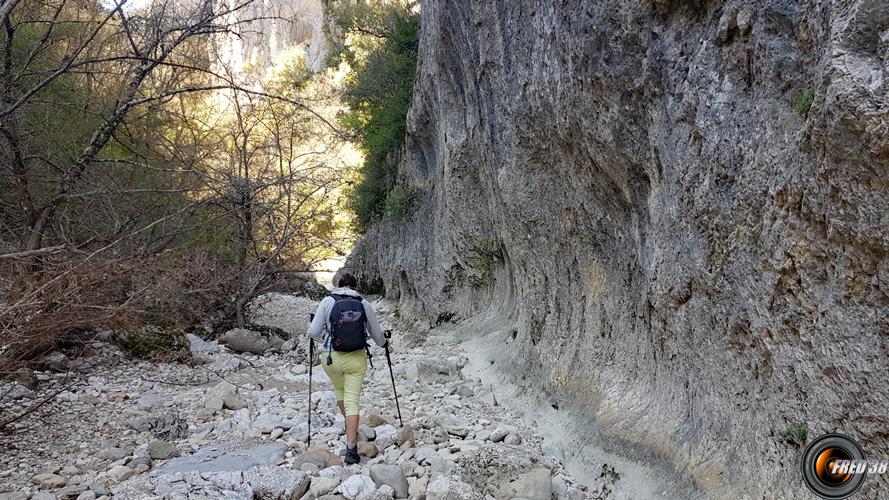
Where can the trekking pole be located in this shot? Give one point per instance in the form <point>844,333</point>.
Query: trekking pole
<point>311,361</point>
<point>388,336</point>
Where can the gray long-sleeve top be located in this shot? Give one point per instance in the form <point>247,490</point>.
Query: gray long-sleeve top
<point>320,327</point>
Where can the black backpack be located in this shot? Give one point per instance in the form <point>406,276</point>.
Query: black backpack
<point>347,320</point>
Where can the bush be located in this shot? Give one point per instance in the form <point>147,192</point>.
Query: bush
<point>802,103</point>
<point>798,432</point>
<point>66,303</point>
<point>154,342</point>
<point>400,202</point>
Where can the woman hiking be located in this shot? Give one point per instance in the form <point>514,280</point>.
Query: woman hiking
<point>341,325</point>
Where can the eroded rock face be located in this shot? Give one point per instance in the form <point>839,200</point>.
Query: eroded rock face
<point>266,30</point>
<point>675,212</point>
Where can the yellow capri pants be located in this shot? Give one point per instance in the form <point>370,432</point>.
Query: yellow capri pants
<point>346,371</point>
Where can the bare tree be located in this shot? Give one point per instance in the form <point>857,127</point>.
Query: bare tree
<point>121,185</point>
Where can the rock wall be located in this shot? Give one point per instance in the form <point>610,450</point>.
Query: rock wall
<point>680,207</point>
<point>266,29</point>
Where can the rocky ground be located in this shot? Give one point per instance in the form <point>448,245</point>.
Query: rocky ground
<point>234,424</point>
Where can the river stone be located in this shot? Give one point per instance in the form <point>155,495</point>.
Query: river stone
<point>366,433</point>
<point>498,435</point>
<point>257,481</point>
<point>373,420</point>
<point>49,480</point>
<point>18,391</point>
<point>162,450</point>
<point>357,487</point>
<point>328,458</point>
<point>512,439</point>
<point>243,340</point>
<point>391,475</point>
<point>405,436</point>
<point>337,472</point>
<point>417,486</point>
<point>161,425</point>
<point>234,401</point>
<point>323,485</point>
<point>385,435</point>
<point>309,458</point>
<point>120,473</point>
<point>148,401</point>
<point>367,449</point>
<point>268,422</point>
<point>201,351</point>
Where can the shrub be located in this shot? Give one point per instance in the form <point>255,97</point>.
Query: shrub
<point>400,202</point>
<point>66,303</point>
<point>802,103</point>
<point>153,342</point>
<point>798,432</point>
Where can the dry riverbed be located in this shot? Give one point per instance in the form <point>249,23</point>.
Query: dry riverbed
<point>234,425</point>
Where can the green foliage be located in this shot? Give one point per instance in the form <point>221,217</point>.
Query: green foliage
<point>802,103</point>
<point>400,202</point>
<point>381,48</point>
<point>798,432</point>
<point>514,333</point>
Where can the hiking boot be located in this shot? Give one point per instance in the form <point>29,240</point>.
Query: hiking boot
<point>352,455</point>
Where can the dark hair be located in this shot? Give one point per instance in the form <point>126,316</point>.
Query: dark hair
<point>347,280</point>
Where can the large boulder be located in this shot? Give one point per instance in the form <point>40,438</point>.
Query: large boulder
<point>391,475</point>
<point>243,340</point>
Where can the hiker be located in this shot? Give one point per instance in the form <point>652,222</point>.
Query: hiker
<point>341,325</point>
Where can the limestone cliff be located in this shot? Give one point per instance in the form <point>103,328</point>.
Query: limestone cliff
<point>679,206</point>
<point>266,29</point>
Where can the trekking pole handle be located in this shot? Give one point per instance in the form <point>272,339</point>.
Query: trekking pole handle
<point>387,334</point>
